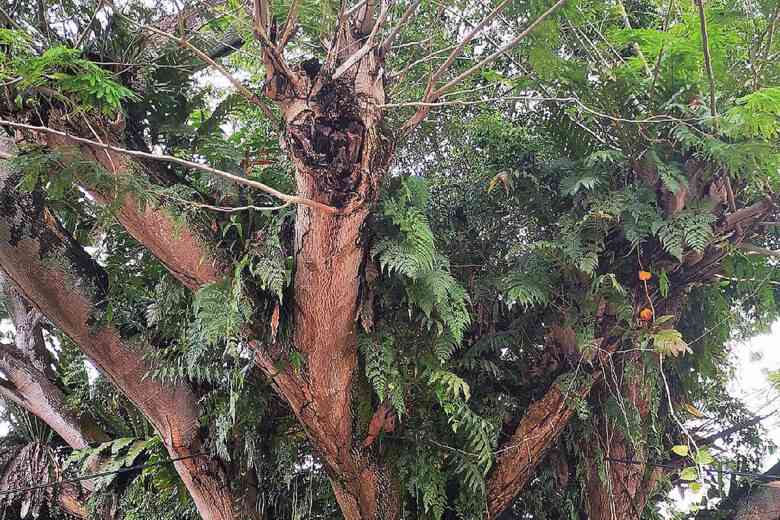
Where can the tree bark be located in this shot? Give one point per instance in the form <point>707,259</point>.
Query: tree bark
<point>618,491</point>
<point>761,503</point>
<point>175,245</point>
<point>537,432</point>
<point>55,274</point>
<point>26,365</point>
<point>335,139</point>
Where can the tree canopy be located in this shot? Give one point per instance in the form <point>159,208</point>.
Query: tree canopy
<point>385,259</point>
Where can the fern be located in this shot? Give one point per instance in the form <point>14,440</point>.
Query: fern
<point>689,230</point>
<point>755,115</point>
<point>382,370</point>
<point>221,310</point>
<point>410,253</point>
<point>478,434</point>
<point>268,263</point>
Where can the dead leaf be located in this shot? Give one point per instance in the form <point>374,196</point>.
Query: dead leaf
<point>275,322</point>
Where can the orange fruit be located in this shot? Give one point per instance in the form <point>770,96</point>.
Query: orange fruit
<point>646,314</point>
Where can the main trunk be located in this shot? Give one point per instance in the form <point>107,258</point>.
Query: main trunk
<point>334,137</point>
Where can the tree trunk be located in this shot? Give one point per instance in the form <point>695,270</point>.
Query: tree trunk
<point>614,490</point>
<point>761,503</point>
<point>334,136</point>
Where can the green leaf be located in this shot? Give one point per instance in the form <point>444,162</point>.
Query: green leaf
<point>689,474</point>
<point>120,443</point>
<point>703,457</point>
<point>681,450</point>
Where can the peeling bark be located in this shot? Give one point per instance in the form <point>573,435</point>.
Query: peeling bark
<point>55,274</point>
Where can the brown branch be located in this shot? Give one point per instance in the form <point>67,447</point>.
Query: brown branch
<point>69,292</point>
<point>290,25</point>
<point>536,433</point>
<point>365,49</point>
<point>707,58</point>
<point>262,20</point>
<point>292,199</point>
<point>365,21</point>
<point>706,441</point>
<point>462,45</point>
<point>435,93</point>
<point>747,216</point>
<point>404,18</point>
<point>27,365</point>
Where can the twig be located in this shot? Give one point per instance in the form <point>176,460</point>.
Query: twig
<point>224,209</point>
<point>292,199</point>
<point>412,122</point>
<point>352,60</point>
<point>242,89</point>
<point>456,52</point>
<point>753,249</point>
<point>513,43</point>
<point>394,32</point>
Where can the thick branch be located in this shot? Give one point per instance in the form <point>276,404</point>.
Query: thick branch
<point>26,364</point>
<point>534,436</point>
<point>56,275</point>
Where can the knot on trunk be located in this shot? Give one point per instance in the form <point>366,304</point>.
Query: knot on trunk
<point>328,140</point>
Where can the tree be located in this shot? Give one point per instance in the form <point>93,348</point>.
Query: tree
<point>449,292</point>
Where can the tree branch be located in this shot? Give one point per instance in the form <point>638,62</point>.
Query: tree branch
<point>753,249</point>
<point>292,199</point>
<point>290,25</point>
<point>70,291</point>
<point>533,437</point>
<point>365,49</point>
<point>435,93</point>
<point>404,18</point>
<point>707,58</point>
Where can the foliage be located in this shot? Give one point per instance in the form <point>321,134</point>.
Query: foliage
<point>501,255</point>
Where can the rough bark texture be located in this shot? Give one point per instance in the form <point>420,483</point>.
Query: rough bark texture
<point>761,503</point>
<point>175,245</point>
<point>617,491</point>
<point>68,287</point>
<point>27,368</point>
<point>534,436</point>
<point>334,137</point>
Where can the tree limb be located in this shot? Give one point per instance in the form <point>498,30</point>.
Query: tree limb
<point>752,249</point>
<point>707,57</point>
<point>70,292</point>
<point>537,431</point>
<point>292,199</point>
